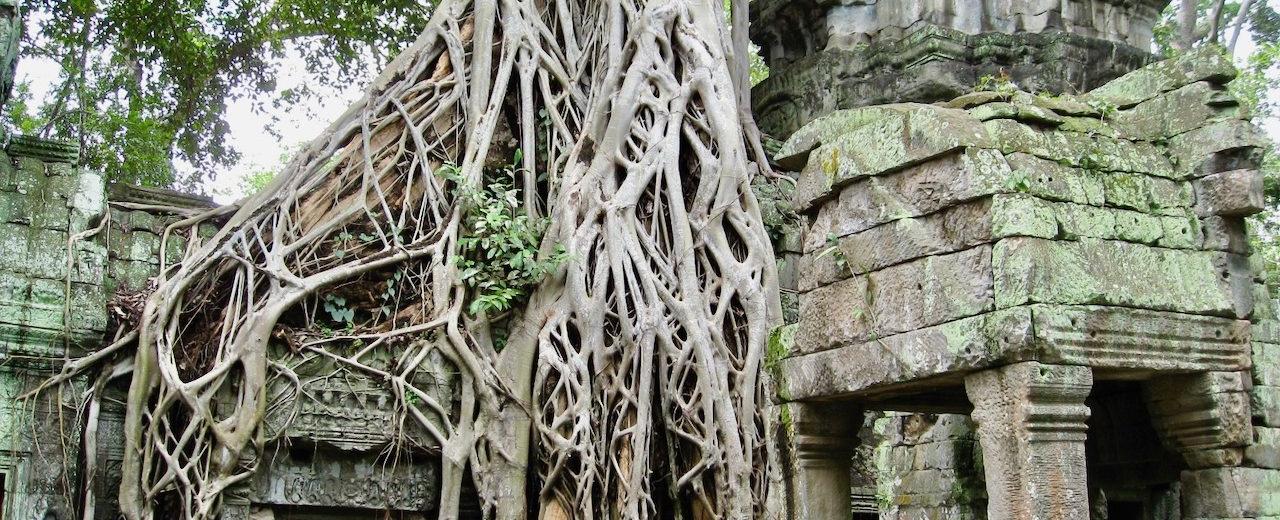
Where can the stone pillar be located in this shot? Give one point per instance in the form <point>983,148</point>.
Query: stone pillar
<point>1031,426</point>
<point>824,441</point>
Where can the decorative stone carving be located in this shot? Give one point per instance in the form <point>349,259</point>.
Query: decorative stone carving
<point>1031,425</point>
<point>334,480</point>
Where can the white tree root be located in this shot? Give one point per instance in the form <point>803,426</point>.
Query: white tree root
<point>633,371</point>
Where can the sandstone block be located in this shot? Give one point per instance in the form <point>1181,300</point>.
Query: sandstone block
<point>952,347</point>
<point>1205,64</point>
<point>856,144</point>
<point>1231,493</point>
<point>1236,193</point>
<point>1122,338</point>
<point>1225,234</point>
<point>1265,450</point>
<point>1218,147</point>
<point>902,298</point>
<point>1097,152</point>
<point>1104,272</point>
<point>1177,111</point>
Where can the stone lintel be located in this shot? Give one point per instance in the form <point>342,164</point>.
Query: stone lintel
<point>158,197</point>
<point>47,150</point>
<point>1122,343</point>
<point>1031,425</point>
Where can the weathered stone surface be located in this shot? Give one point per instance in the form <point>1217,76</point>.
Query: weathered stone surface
<point>1022,113</point>
<point>1097,152</point>
<point>1218,147</point>
<point>919,190</point>
<point>820,64</point>
<point>1265,450</point>
<point>898,299</point>
<point>1204,64</point>
<point>862,143</point>
<point>953,229</point>
<point>1176,112</point>
<point>1053,181</point>
<point>1231,493</point>
<point>1031,425</point>
<point>1145,193</point>
<point>1225,234</point>
<point>954,347</point>
<point>1204,416</point>
<point>1265,405</point>
<point>1140,340</point>
<point>1236,193</point>
<point>1106,272</point>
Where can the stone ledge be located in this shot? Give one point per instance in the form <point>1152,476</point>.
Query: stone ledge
<point>158,197</point>
<point>1119,342</point>
<point>48,150</point>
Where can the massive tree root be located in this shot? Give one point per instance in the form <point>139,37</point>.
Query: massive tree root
<point>632,369</point>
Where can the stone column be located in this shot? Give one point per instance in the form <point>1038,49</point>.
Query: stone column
<point>825,437</point>
<point>1031,426</point>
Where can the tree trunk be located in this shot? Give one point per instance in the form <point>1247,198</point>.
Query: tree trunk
<point>634,137</point>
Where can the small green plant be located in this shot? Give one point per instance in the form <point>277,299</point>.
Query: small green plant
<point>833,249</point>
<point>498,248</point>
<point>1000,83</point>
<point>1105,109</point>
<point>1018,182</point>
<point>337,308</point>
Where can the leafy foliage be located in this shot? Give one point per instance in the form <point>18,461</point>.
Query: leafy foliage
<point>498,251</point>
<point>145,83</point>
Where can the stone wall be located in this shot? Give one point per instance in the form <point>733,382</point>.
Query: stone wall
<point>826,55</point>
<point>1103,230</point>
<point>45,199</point>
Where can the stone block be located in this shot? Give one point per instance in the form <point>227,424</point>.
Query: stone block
<point>1139,340</point>
<point>1226,234</point>
<point>1230,493</point>
<point>15,208</point>
<point>1181,232</point>
<point>953,347</point>
<point>1177,111</point>
<point>1218,147</point>
<point>14,239</point>
<point>1266,364</point>
<point>919,190</point>
<point>1265,450</point>
<point>820,268</point>
<point>1105,272</point>
<point>1265,405</point>
<point>1145,193</point>
<point>1054,181</point>
<point>866,142</point>
<point>1204,64</point>
<point>898,299</point>
<point>959,227</point>
<point>50,214</point>
<point>1097,153</point>
<point>1236,193</point>
<point>47,254</point>
<point>90,195</point>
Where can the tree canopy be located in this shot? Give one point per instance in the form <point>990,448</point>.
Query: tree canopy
<point>146,82</point>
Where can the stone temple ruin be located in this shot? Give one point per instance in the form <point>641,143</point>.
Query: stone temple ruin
<point>1004,305</point>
